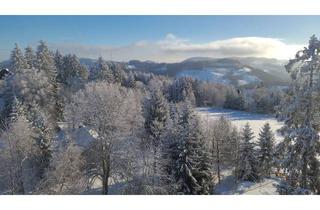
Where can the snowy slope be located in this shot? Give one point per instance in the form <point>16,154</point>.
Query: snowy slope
<point>210,75</point>
<point>240,118</point>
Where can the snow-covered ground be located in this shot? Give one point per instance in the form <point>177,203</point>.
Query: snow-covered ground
<point>240,118</point>
<point>230,186</point>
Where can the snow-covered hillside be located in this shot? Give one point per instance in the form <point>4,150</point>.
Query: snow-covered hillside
<point>242,76</point>
<point>240,118</point>
<point>211,75</point>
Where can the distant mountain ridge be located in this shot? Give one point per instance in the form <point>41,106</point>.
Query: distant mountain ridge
<point>237,71</point>
<point>234,70</point>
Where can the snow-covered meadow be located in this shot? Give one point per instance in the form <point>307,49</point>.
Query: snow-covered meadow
<point>240,118</point>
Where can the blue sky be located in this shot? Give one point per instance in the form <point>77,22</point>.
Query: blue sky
<point>160,38</point>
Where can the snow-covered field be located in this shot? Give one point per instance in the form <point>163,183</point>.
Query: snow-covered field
<point>240,118</point>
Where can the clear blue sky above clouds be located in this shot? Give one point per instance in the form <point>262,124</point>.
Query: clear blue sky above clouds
<point>187,34</point>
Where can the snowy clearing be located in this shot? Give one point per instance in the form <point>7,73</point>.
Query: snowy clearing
<point>240,118</point>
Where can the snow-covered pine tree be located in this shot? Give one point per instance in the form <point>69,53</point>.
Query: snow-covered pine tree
<point>16,109</point>
<point>130,80</point>
<point>43,141</point>
<point>156,115</point>
<point>193,165</point>
<point>219,143</point>
<point>233,148</point>
<point>248,161</point>
<point>73,74</point>
<point>58,60</point>
<point>266,143</point>
<point>30,57</point>
<point>302,124</point>
<point>118,72</point>
<point>103,71</point>
<point>45,61</point>
<point>234,100</point>
<point>17,60</point>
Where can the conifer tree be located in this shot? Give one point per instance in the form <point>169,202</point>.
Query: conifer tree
<point>301,129</point>
<point>248,162</point>
<point>45,61</point>
<point>58,60</point>
<point>17,60</point>
<point>266,142</point>
<point>156,115</point>
<point>30,57</point>
<point>103,71</point>
<point>193,165</point>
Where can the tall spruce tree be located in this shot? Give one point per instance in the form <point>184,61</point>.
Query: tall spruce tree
<point>266,143</point>
<point>248,161</point>
<point>58,60</point>
<point>156,115</point>
<point>45,61</point>
<point>103,71</point>
<point>302,125</point>
<point>193,165</point>
<point>30,57</point>
<point>17,60</point>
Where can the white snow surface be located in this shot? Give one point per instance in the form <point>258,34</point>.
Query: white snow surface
<point>240,118</point>
<point>229,185</point>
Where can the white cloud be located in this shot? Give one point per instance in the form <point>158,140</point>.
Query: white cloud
<point>172,49</point>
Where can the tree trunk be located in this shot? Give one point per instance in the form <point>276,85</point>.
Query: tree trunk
<point>154,165</point>
<point>218,162</point>
<point>106,174</point>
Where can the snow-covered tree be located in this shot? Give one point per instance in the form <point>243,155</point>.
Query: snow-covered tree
<point>232,152</point>
<point>45,61</point>
<point>65,174</point>
<point>103,71</point>
<point>114,114</point>
<point>248,160</point>
<point>234,100</point>
<point>118,72</point>
<point>30,57</point>
<point>193,173</point>
<point>72,74</point>
<point>16,151</point>
<point>17,60</point>
<point>58,60</point>
<point>182,90</point>
<point>219,143</point>
<point>156,115</point>
<point>266,143</point>
<point>301,129</point>
<point>33,89</point>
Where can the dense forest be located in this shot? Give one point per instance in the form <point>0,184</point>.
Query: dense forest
<point>142,131</point>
